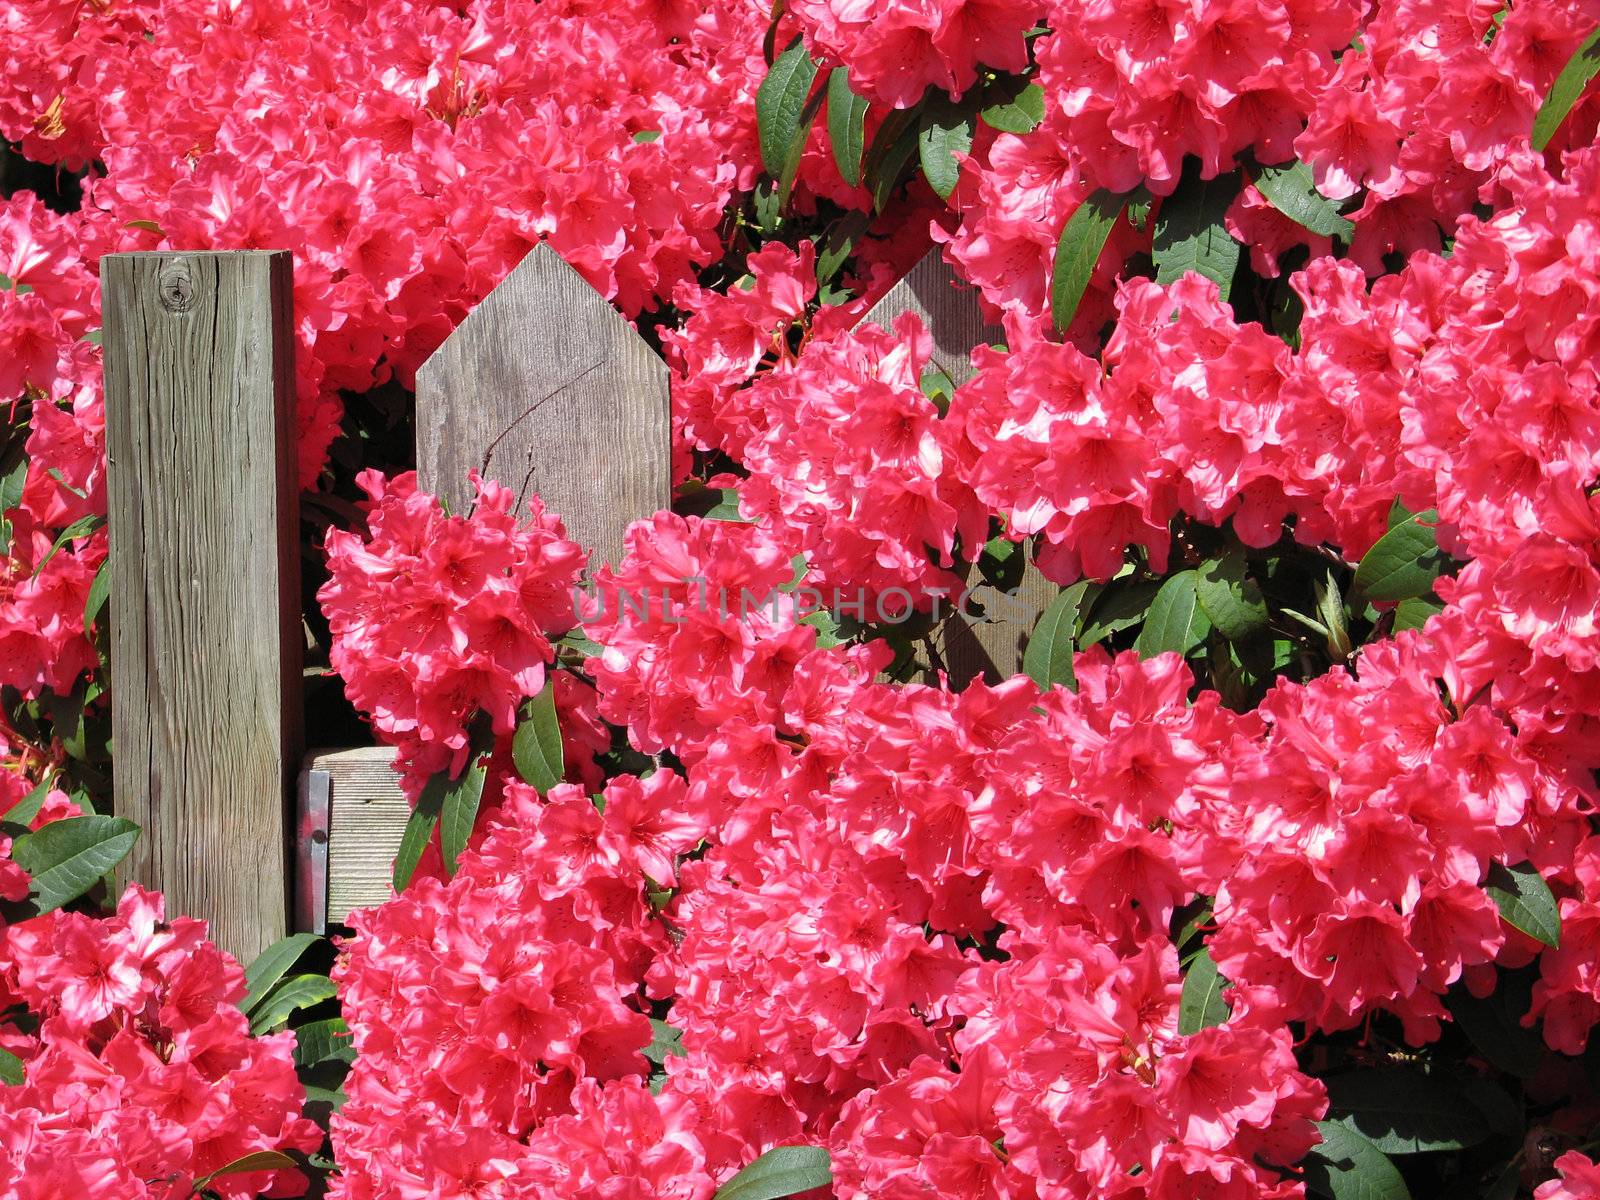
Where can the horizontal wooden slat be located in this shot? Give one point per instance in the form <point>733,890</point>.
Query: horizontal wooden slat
<point>367,815</point>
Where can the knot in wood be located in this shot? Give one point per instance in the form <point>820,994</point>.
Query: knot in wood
<point>175,286</point>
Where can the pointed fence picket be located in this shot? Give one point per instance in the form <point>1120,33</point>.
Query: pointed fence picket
<point>544,388</point>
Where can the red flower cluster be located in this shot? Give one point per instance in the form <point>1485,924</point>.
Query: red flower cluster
<point>437,618</point>
<point>140,1075</point>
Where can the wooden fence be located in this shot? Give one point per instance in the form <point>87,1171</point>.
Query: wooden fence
<point>544,387</point>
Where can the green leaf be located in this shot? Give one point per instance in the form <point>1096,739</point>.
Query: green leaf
<point>1503,1114</point>
<point>459,813</point>
<point>1405,1112</point>
<point>943,133</point>
<point>840,242</point>
<point>12,1071</point>
<point>536,747</point>
<point>1404,562</point>
<point>419,829</point>
<point>261,1160</point>
<point>67,858</point>
<point>1190,234</point>
<point>1494,1024</point>
<point>1230,597</point>
<point>1200,1004</point>
<point>1082,241</point>
<point>937,386</point>
<point>1020,113</point>
<point>666,1042</point>
<point>847,125</point>
<point>1413,613</point>
<point>781,1171</point>
<point>1291,190</point>
<point>1175,621</point>
<point>323,1041</point>
<point>25,810</point>
<point>890,152</point>
<point>647,135</point>
<point>293,994</point>
<point>1524,901</point>
<point>11,485</point>
<point>780,103</point>
<point>334,1098</point>
<point>1345,1166</point>
<point>1581,67</point>
<point>81,528</point>
<point>1119,607</point>
<point>1047,659</point>
<point>99,592</point>
<point>270,966</point>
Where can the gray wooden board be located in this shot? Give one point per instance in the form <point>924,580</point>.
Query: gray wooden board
<point>368,814</point>
<point>205,598</point>
<point>547,389</point>
<point>989,649</point>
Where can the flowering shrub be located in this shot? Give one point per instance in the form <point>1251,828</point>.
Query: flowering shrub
<point>1275,873</point>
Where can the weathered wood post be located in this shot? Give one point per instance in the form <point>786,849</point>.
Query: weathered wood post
<point>546,388</point>
<point>206,644</point>
<point>990,649</point>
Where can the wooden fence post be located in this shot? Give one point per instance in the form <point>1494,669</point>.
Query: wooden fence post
<point>547,389</point>
<point>991,649</point>
<point>206,643</point>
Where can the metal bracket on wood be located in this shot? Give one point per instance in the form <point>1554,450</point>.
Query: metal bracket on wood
<point>311,851</point>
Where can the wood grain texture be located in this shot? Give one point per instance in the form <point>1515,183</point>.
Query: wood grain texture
<point>368,815</point>
<point>205,597</point>
<point>545,388</point>
<point>990,649</point>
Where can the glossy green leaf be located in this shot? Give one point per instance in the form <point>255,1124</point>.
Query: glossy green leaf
<point>1494,1024</point>
<point>323,1041</point>
<point>12,1071</point>
<point>1292,191</point>
<point>1121,604</point>
<point>81,528</point>
<point>890,153</point>
<point>289,997</point>
<point>459,812</point>
<point>1190,234</point>
<point>1404,562</point>
<point>782,1171</point>
<point>11,485</point>
<point>334,1098</point>
<point>1047,659</point>
<point>25,810</point>
<point>1525,901</point>
<point>1082,241</point>
<point>536,746</point>
<point>1413,613</point>
<point>1020,113</point>
<point>943,133</point>
<point>780,102</point>
<point>1200,1004</point>
<point>67,858</point>
<point>1230,597</point>
<point>1175,621</point>
<point>666,1042</point>
<point>1568,87</point>
<point>270,966</point>
<point>1346,1166</point>
<point>419,829</point>
<point>260,1160</point>
<point>1402,1111</point>
<point>847,121</point>
<point>99,592</point>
